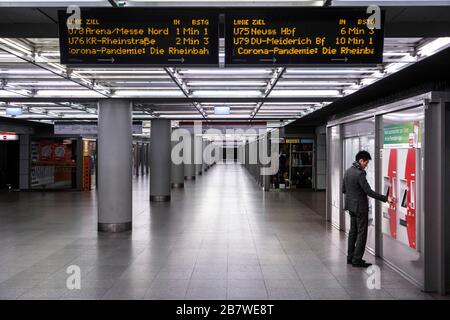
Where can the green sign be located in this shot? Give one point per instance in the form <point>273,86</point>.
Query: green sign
<point>403,135</point>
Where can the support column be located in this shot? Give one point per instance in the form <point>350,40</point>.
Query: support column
<point>266,177</point>
<point>146,158</point>
<point>24,162</point>
<point>147,161</point>
<point>114,165</point>
<point>136,159</point>
<point>198,155</point>
<point>177,173</point>
<point>142,158</point>
<point>160,162</point>
<point>204,166</point>
<point>189,165</point>
<point>208,155</point>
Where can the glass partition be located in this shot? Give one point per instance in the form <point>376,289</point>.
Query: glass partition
<point>402,222</point>
<point>360,135</point>
<point>335,175</point>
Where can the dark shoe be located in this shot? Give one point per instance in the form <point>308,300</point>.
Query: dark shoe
<point>361,264</point>
<point>349,261</point>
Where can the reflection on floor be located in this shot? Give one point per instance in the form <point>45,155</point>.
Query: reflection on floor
<point>219,238</point>
<point>315,200</point>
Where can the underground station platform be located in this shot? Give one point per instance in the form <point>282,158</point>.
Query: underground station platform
<point>225,159</point>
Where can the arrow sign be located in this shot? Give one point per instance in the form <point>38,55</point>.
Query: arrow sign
<point>340,59</point>
<point>107,60</point>
<point>273,60</point>
<point>177,60</point>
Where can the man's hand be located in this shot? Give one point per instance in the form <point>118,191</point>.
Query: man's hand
<point>391,200</point>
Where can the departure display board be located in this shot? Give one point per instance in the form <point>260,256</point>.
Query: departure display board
<point>139,36</point>
<point>296,36</point>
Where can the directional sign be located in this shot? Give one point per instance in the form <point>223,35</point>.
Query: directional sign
<point>139,36</point>
<point>8,136</point>
<point>297,36</point>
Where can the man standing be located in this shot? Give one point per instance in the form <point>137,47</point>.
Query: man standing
<point>357,189</point>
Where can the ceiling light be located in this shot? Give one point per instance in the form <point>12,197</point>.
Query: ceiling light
<point>44,83</point>
<point>16,45</point>
<point>24,71</point>
<point>147,93</point>
<point>313,83</point>
<point>67,93</point>
<point>225,71</point>
<point>304,93</point>
<point>226,83</point>
<point>434,46</point>
<point>131,72</point>
<point>394,67</point>
<point>227,93</point>
<point>13,111</point>
<point>327,71</point>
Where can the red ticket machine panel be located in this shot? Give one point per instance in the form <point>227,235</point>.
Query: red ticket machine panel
<point>389,222</point>
<point>410,177</point>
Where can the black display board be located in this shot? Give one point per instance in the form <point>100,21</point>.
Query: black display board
<point>297,36</point>
<point>140,36</point>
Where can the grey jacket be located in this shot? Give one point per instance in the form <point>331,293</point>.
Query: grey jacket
<point>356,189</point>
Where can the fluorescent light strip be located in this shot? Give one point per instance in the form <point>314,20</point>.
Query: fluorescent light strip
<point>67,93</point>
<point>130,72</point>
<point>434,46</point>
<point>224,71</point>
<point>226,83</point>
<point>156,93</point>
<point>16,45</point>
<point>24,71</point>
<point>227,93</point>
<point>313,83</point>
<point>304,93</point>
<point>143,82</point>
<point>44,83</point>
<point>307,2</point>
<point>59,1</point>
<point>328,71</point>
<point>284,108</point>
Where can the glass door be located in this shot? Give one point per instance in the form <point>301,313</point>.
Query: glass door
<point>352,145</point>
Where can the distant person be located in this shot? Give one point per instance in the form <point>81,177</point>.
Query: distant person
<point>357,190</point>
<point>282,168</point>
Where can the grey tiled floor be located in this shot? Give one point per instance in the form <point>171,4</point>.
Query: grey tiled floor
<point>220,237</point>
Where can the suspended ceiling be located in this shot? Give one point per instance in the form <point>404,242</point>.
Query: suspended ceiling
<point>33,79</point>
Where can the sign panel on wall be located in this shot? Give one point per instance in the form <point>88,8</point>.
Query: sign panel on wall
<point>286,36</point>
<point>86,128</point>
<point>8,136</point>
<point>139,36</point>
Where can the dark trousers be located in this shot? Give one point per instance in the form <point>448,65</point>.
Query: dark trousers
<point>357,237</point>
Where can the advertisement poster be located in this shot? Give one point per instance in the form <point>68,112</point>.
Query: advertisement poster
<point>405,135</point>
<point>52,164</point>
<point>51,151</point>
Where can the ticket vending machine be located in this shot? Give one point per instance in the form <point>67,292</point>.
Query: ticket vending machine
<point>389,211</point>
<point>400,181</point>
<point>406,200</point>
